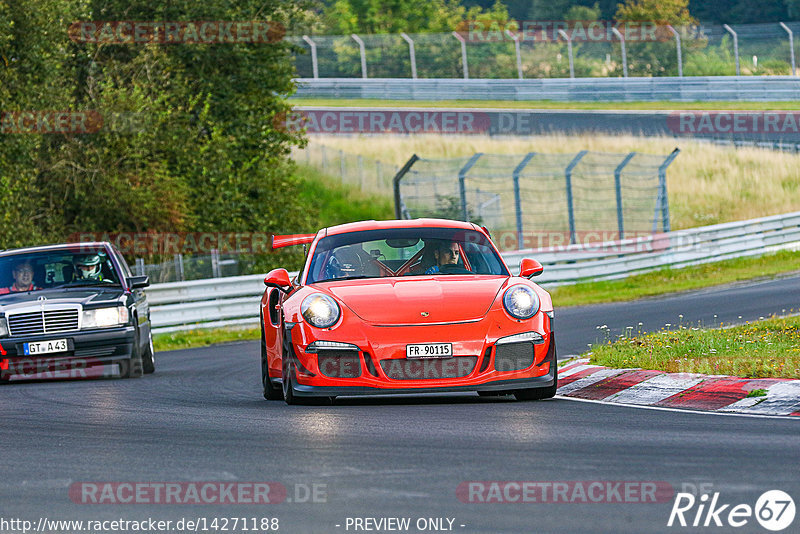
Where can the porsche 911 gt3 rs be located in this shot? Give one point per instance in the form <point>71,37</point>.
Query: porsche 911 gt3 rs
<point>405,306</point>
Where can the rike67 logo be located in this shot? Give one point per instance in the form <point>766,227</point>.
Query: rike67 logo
<point>774,510</point>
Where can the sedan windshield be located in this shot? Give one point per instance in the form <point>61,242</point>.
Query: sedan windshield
<point>404,252</point>
<point>56,268</point>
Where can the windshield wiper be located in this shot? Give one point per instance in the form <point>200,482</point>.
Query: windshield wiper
<point>86,283</point>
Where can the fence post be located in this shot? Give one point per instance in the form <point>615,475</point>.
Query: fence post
<point>678,47</point>
<point>563,34</point>
<point>624,52</point>
<point>140,267</point>
<point>791,46</point>
<point>398,211</point>
<point>464,65</point>
<point>462,184</point>
<point>618,189</point>
<point>363,52</point>
<point>570,207</point>
<point>314,64</point>
<point>215,270</point>
<point>378,175</point>
<point>518,52</point>
<point>412,55</point>
<point>662,191</point>
<point>361,171</point>
<point>341,164</point>
<point>179,267</point>
<point>518,197</point>
<point>735,46</point>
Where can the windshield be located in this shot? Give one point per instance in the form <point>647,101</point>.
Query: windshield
<point>404,252</point>
<point>48,269</point>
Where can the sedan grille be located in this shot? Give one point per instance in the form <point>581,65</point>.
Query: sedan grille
<point>43,322</point>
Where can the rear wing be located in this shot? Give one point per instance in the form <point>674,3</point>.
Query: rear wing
<point>279,241</point>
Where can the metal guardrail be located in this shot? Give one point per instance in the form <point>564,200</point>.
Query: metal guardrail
<point>234,301</point>
<point>686,89</point>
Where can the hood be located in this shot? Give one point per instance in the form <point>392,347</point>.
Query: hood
<point>85,296</point>
<point>446,299</point>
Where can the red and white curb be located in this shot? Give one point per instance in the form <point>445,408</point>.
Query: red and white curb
<point>714,393</point>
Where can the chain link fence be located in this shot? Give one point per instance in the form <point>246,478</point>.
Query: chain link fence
<point>192,267</point>
<point>541,200</point>
<point>704,50</point>
<point>369,175</point>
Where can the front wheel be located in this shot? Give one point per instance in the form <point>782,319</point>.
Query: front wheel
<point>149,357</point>
<point>132,367</point>
<point>539,393</point>
<point>270,391</point>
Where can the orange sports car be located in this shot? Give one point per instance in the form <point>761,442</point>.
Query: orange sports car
<point>405,306</point>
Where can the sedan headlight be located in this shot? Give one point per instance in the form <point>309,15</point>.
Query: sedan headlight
<point>3,327</point>
<point>320,310</point>
<point>102,317</point>
<point>521,302</point>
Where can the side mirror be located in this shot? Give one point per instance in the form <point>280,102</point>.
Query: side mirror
<point>139,282</point>
<point>529,267</point>
<point>278,278</point>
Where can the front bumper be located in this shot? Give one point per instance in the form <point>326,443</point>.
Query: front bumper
<point>89,354</point>
<point>372,378</point>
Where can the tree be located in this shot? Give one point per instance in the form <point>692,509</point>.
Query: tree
<point>675,12</point>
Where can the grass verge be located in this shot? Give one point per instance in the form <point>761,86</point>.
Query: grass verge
<point>335,203</point>
<point>666,281</point>
<point>762,349</point>
<point>544,104</point>
<point>188,339</point>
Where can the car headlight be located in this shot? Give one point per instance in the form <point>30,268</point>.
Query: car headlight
<point>101,317</point>
<point>320,310</point>
<point>3,327</point>
<point>521,302</point>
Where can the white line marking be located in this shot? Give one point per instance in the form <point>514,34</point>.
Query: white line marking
<point>680,410</point>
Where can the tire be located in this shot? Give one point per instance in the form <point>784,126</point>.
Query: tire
<point>270,391</point>
<point>132,367</point>
<point>538,393</point>
<point>149,358</point>
<point>288,392</point>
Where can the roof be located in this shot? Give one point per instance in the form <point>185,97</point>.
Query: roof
<point>61,246</point>
<point>398,223</point>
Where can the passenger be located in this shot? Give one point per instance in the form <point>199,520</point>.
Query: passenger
<point>23,279</point>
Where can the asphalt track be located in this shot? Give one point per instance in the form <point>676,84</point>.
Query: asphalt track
<point>201,418</point>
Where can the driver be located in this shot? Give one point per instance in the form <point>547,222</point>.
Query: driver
<point>444,253</point>
<point>88,267</point>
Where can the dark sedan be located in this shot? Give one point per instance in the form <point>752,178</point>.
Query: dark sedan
<point>72,311</point>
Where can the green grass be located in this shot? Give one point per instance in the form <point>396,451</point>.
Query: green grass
<point>762,349</point>
<point>188,339</point>
<point>674,280</point>
<point>546,104</point>
<point>757,393</point>
<point>335,203</point>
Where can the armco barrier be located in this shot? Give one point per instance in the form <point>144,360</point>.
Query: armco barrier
<point>234,301</point>
<point>686,89</point>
